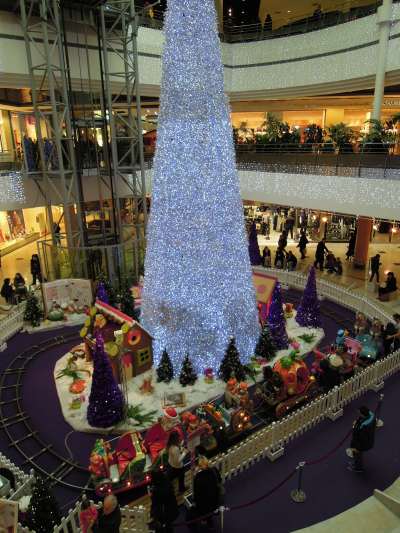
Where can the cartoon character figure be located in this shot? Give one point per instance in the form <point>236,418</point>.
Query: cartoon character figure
<point>376,328</point>
<point>231,393</point>
<point>361,324</point>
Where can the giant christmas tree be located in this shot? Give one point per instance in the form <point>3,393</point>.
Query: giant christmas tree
<point>198,290</point>
<point>308,312</point>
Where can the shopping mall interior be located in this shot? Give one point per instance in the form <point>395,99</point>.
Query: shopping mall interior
<point>199,254</point>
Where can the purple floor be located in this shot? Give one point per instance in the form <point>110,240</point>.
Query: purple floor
<point>330,487</point>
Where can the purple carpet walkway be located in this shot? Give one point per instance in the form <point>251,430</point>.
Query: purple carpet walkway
<point>329,486</point>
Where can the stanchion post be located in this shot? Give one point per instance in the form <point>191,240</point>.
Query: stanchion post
<point>379,421</point>
<point>222,510</point>
<point>298,495</point>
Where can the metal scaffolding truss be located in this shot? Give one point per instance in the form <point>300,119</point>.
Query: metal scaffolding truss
<point>119,27</point>
<point>50,98</point>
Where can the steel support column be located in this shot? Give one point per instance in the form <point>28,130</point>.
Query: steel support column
<point>50,98</point>
<point>119,26</point>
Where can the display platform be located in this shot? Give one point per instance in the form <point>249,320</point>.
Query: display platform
<point>73,319</point>
<point>74,404</point>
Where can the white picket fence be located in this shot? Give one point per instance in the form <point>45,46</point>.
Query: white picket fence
<point>270,441</point>
<point>11,324</point>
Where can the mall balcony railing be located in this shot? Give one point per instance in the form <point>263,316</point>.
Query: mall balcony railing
<point>282,26</point>
<point>60,260</point>
<point>369,160</point>
<point>372,160</point>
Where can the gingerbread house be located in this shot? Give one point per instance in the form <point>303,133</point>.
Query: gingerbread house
<point>127,343</point>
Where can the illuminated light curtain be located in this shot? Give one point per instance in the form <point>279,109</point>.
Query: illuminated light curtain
<point>11,188</point>
<point>198,289</point>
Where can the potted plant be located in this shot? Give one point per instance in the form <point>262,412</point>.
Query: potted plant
<point>378,138</point>
<point>313,135</point>
<point>341,136</point>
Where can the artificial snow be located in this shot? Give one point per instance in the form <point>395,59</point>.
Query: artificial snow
<point>195,394</point>
<point>72,319</point>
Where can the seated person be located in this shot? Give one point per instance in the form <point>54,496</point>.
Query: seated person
<point>266,257</point>
<point>7,291</point>
<point>338,266</point>
<point>329,377</point>
<point>291,261</point>
<point>391,284</point>
<point>279,257</point>
<point>330,262</point>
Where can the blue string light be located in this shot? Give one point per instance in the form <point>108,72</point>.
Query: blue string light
<point>198,289</point>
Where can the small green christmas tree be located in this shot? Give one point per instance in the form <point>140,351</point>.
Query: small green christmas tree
<point>188,375</point>
<point>43,512</point>
<point>127,301</point>
<point>165,370</point>
<point>33,313</point>
<point>231,365</point>
<point>265,347</point>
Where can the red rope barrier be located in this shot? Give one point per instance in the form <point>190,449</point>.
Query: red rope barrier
<point>271,491</point>
<point>260,498</point>
<point>334,450</point>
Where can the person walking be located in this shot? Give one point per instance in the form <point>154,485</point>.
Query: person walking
<point>351,246</point>
<point>320,254</point>
<point>375,264</point>
<point>176,454</point>
<point>302,246</point>
<point>164,507</point>
<point>35,269</point>
<point>363,438</point>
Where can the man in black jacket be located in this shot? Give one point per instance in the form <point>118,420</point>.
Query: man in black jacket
<point>320,254</point>
<point>363,438</point>
<point>207,492</point>
<point>375,264</point>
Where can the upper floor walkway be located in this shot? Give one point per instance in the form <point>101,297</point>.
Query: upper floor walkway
<point>336,59</point>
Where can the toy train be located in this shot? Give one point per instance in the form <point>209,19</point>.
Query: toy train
<point>216,424</point>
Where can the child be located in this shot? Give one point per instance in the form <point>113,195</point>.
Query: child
<point>88,517</point>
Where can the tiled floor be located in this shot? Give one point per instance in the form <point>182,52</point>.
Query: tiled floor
<point>353,278</point>
<point>19,261</point>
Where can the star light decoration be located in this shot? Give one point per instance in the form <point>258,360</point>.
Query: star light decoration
<point>198,289</point>
<point>11,188</point>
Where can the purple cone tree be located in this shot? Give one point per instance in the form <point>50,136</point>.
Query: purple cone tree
<point>276,320</point>
<point>106,403</point>
<point>309,313</point>
<point>101,293</point>
<point>254,249</point>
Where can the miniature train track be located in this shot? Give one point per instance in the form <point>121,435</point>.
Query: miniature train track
<point>23,437</point>
<point>32,449</point>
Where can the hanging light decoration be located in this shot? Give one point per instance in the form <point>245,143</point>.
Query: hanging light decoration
<point>11,188</point>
